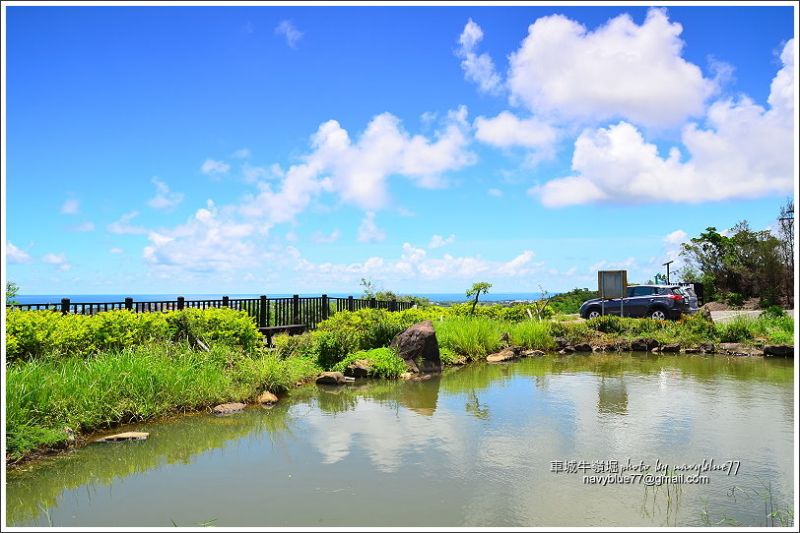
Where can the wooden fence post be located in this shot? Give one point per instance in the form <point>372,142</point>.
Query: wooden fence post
<point>225,301</point>
<point>325,307</point>
<point>373,303</point>
<point>262,312</point>
<point>350,306</point>
<point>129,304</point>
<point>181,302</point>
<point>295,309</point>
<point>64,306</point>
<point>393,305</point>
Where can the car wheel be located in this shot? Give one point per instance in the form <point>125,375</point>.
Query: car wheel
<point>593,313</point>
<point>658,314</point>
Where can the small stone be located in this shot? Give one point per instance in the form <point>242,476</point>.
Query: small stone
<point>129,435</point>
<point>331,378</point>
<point>266,397</point>
<point>644,345</point>
<point>359,369</point>
<point>671,348</point>
<point>567,350</point>
<point>228,408</point>
<point>532,353</point>
<point>504,355</point>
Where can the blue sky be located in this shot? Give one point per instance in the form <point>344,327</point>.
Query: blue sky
<point>299,149</point>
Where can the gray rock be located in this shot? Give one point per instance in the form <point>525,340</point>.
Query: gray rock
<point>692,350</point>
<point>228,408</point>
<point>779,350</point>
<point>504,355</point>
<point>418,347</point>
<point>331,378</point>
<point>358,369</point>
<point>671,348</point>
<point>583,347</point>
<point>567,350</point>
<point>644,345</point>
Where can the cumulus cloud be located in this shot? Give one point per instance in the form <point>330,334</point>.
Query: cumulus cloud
<point>16,255</point>
<point>289,31</point>
<point>437,241</point>
<point>478,68</point>
<point>164,198</point>
<point>676,237</point>
<point>211,167</point>
<point>506,130</point>
<point>358,171</point>
<point>620,70</point>
<point>744,151</point>
<point>368,230</point>
<point>209,241</point>
<point>70,207</point>
<point>123,226</point>
<point>57,260</point>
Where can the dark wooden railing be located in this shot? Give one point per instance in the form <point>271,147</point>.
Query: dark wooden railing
<point>268,313</point>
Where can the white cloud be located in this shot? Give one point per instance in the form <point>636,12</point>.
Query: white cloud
<point>209,241</point>
<point>497,193</point>
<point>241,153</point>
<point>70,207</point>
<point>321,238</point>
<point>619,70</point>
<point>477,68</point>
<point>676,237</point>
<point>745,151</point>
<point>369,231</point>
<point>116,250</point>
<point>57,260</point>
<point>437,241</point>
<point>628,264</point>
<point>211,167</point>
<point>519,266</point>
<point>358,171</point>
<point>124,227</point>
<point>16,255</point>
<point>164,198</point>
<point>289,31</point>
<point>83,227</point>
<point>507,131</point>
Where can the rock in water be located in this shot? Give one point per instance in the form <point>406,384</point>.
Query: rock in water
<point>358,369</point>
<point>266,398</point>
<point>129,435</point>
<point>228,408</point>
<point>504,355</point>
<point>779,350</point>
<point>418,347</point>
<point>331,378</point>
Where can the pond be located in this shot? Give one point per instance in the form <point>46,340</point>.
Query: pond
<point>522,444</point>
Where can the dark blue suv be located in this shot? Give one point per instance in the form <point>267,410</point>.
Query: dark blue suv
<point>661,302</point>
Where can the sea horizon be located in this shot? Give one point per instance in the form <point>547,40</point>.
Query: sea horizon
<point>26,299</point>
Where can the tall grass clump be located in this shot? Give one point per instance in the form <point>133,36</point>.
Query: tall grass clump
<point>735,330</point>
<point>532,334</point>
<point>384,362</point>
<point>473,337</point>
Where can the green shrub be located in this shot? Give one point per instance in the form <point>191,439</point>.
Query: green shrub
<point>734,299</point>
<point>36,334</point>
<point>773,311</point>
<point>294,345</point>
<point>736,330</point>
<point>385,362</point>
<point>448,356</point>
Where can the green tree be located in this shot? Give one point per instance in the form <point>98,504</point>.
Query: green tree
<point>12,289</point>
<point>476,290</point>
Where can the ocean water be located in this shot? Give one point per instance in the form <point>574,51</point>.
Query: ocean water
<point>94,298</point>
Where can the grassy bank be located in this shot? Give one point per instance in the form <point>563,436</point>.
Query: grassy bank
<point>94,372</point>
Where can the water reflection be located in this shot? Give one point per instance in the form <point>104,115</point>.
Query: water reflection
<point>471,447</point>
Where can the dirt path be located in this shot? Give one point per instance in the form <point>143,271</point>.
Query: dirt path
<point>720,317</point>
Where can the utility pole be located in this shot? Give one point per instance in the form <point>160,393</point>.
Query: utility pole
<point>667,265</point>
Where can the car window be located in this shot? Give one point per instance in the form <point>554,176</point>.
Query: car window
<point>642,291</point>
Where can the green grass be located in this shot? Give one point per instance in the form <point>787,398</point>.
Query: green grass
<point>385,362</point>
<point>473,337</point>
<point>532,334</point>
<point>46,396</point>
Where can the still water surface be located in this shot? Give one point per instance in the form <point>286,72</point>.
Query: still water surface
<point>474,447</point>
